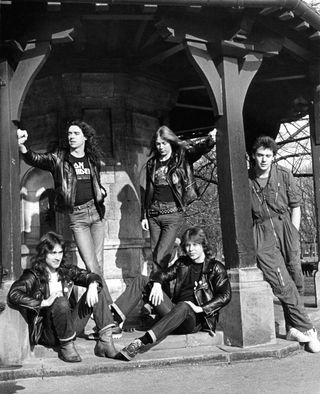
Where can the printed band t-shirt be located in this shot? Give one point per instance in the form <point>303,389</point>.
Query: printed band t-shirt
<point>162,190</point>
<point>84,185</point>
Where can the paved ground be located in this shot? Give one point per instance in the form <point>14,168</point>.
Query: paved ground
<point>298,373</point>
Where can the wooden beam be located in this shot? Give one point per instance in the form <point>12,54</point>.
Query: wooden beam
<point>118,17</point>
<point>285,16</point>
<point>204,65</point>
<point>296,49</point>
<point>32,60</point>
<point>10,240</point>
<point>162,56</point>
<point>302,26</point>
<point>188,88</point>
<point>197,107</point>
<point>268,10</point>
<point>249,68</point>
<point>315,36</point>
<point>139,34</point>
<point>233,187</point>
<point>283,78</point>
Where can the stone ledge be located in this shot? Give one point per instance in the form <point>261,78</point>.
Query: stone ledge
<point>48,367</point>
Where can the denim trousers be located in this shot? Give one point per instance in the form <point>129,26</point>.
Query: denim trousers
<point>163,233</point>
<point>178,319</point>
<point>88,231</point>
<point>61,322</point>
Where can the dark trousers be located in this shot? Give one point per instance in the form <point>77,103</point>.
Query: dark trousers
<point>179,318</point>
<point>62,323</point>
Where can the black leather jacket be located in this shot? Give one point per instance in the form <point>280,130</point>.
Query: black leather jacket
<point>180,174</point>
<point>215,283</point>
<point>65,179</point>
<point>28,292</point>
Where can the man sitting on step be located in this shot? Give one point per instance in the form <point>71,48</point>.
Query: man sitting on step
<point>202,288</point>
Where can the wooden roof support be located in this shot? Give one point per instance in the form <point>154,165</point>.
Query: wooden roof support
<point>203,63</point>
<point>285,16</point>
<point>139,34</point>
<point>268,10</point>
<point>162,56</point>
<point>196,107</point>
<point>302,26</point>
<point>32,60</point>
<point>314,120</point>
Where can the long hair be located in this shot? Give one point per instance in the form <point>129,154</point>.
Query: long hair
<point>45,246</point>
<point>168,135</point>
<point>265,142</point>
<point>92,148</point>
<point>197,235</point>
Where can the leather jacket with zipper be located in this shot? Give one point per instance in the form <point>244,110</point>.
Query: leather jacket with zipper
<point>180,174</point>
<point>215,283</point>
<point>28,292</point>
<point>65,179</point>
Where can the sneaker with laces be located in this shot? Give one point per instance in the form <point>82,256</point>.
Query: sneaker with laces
<point>295,335</point>
<point>130,351</point>
<point>313,346</point>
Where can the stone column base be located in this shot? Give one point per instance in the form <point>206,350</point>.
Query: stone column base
<point>14,334</point>
<point>248,320</point>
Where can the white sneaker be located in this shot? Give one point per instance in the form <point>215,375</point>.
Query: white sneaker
<point>295,335</point>
<point>313,345</point>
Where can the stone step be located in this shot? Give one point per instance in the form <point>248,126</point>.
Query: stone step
<point>85,347</point>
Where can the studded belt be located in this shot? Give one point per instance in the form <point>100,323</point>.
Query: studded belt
<point>158,212</point>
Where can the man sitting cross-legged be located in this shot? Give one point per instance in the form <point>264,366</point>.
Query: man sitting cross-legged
<point>202,288</point>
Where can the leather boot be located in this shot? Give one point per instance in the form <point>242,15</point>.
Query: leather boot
<point>105,346</point>
<point>68,352</point>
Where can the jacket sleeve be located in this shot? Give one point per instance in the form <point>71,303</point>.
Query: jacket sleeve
<point>21,293</point>
<point>221,290</point>
<point>44,161</point>
<point>196,151</point>
<point>83,278</point>
<point>160,276</point>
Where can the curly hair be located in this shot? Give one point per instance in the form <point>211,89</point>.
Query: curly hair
<point>197,235</point>
<point>168,135</point>
<point>46,245</point>
<point>92,148</point>
<point>265,142</point>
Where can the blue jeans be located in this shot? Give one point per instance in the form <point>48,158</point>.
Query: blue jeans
<point>163,233</point>
<point>62,323</point>
<point>88,231</point>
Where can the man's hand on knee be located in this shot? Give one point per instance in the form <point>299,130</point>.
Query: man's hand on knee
<point>156,295</point>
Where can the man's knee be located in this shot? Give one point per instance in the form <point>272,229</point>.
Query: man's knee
<point>61,305</point>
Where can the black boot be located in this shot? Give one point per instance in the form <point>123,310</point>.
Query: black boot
<point>105,346</point>
<point>68,352</point>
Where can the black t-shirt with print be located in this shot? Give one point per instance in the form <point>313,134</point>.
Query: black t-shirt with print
<point>162,190</point>
<point>84,185</point>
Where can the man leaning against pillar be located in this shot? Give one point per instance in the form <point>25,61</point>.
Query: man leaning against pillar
<point>275,205</point>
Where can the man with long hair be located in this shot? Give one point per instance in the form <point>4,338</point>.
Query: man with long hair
<point>43,294</point>
<point>275,205</point>
<point>201,289</point>
<point>170,187</point>
<point>78,191</point>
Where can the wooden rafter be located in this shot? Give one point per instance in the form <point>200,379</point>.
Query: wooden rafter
<point>139,34</point>
<point>162,56</point>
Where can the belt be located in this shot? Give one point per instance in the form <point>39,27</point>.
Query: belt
<point>157,212</point>
<point>87,204</point>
